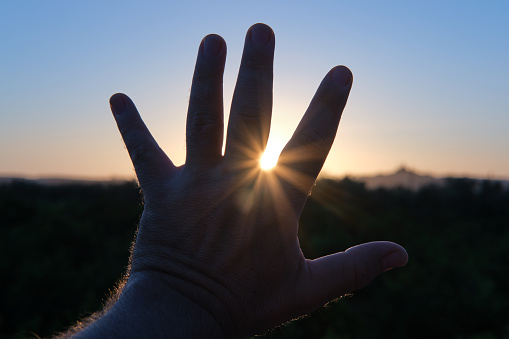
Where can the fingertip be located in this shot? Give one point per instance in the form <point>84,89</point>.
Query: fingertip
<point>213,45</point>
<point>260,25</point>
<point>377,257</point>
<point>342,76</point>
<point>395,258</point>
<point>118,103</point>
<point>261,34</point>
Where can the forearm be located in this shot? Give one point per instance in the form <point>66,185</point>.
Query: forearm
<point>147,307</point>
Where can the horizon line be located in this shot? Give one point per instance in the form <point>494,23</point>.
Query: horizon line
<point>325,175</point>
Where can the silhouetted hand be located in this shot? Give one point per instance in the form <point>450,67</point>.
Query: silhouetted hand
<point>217,253</point>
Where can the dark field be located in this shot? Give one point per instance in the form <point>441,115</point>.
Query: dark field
<point>62,248</point>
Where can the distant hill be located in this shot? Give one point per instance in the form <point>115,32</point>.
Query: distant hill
<point>402,177</point>
<point>405,178</point>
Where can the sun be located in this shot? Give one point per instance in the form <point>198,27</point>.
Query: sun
<point>271,154</point>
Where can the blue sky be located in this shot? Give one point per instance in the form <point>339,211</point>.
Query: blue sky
<point>430,80</point>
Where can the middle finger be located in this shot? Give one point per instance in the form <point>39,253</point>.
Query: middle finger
<point>251,110</point>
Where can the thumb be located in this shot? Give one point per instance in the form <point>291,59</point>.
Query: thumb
<point>335,275</point>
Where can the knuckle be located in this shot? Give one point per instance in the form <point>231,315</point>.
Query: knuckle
<point>127,129</point>
<point>360,277</point>
<point>202,100</point>
<point>139,152</point>
<point>201,94</point>
<point>329,97</point>
<point>329,102</point>
<point>249,85</point>
<point>203,118</point>
<point>255,78</point>
<point>256,64</point>
<point>313,141</point>
<point>250,110</point>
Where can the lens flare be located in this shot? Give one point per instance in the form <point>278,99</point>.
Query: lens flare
<point>271,154</point>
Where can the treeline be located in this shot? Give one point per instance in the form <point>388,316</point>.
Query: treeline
<point>62,248</point>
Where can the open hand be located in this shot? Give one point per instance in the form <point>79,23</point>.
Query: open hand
<point>219,231</point>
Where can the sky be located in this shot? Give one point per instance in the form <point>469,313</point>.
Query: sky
<point>430,85</point>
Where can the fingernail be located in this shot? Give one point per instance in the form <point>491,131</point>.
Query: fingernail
<point>342,76</point>
<point>212,45</point>
<point>261,34</point>
<point>117,103</point>
<point>391,260</point>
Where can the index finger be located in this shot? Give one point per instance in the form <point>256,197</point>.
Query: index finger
<point>305,153</point>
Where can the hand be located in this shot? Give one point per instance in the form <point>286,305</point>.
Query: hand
<point>218,236</point>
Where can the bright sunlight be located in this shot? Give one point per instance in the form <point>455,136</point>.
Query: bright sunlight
<point>271,154</point>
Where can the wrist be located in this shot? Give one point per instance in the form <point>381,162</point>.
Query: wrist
<point>149,306</point>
